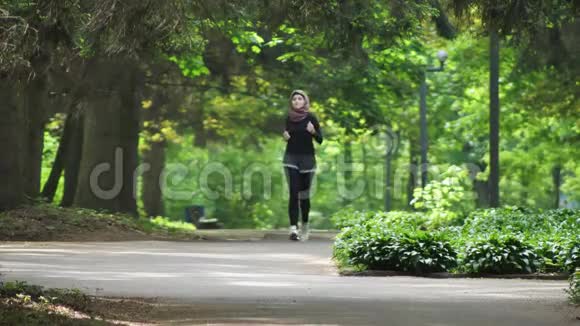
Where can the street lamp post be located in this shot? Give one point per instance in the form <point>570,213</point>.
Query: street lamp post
<point>442,56</point>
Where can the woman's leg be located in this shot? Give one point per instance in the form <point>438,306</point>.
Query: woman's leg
<point>293,178</point>
<point>304,194</point>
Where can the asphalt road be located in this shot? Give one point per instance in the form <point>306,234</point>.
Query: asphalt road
<point>275,281</point>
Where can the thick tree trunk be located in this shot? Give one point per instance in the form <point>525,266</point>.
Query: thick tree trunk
<point>494,121</point>
<point>12,146</point>
<point>151,192</point>
<point>131,125</point>
<point>67,159</point>
<point>73,158</point>
<point>154,156</point>
<point>482,190</point>
<point>110,140</point>
<point>34,100</point>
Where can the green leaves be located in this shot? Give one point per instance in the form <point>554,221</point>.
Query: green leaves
<point>446,201</point>
<point>499,254</point>
<point>191,66</point>
<point>392,241</point>
<point>247,41</point>
<point>574,290</point>
<point>498,241</point>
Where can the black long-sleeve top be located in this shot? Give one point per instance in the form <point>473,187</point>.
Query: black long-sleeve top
<point>300,141</point>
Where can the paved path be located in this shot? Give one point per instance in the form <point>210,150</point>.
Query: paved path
<point>273,281</point>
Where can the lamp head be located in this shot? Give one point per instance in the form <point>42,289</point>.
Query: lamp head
<point>442,56</point>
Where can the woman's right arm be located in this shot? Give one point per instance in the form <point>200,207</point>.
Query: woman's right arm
<point>286,134</point>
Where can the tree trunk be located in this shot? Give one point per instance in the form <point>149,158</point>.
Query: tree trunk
<point>525,184</point>
<point>482,190</point>
<point>494,122</point>
<point>413,170</point>
<point>12,129</point>
<point>131,125</point>
<point>73,158</point>
<point>442,23</point>
<point>392,149</point>
<point>348,171</point>
<point>51,184</point>
<point>154,156</point>
<point>388,181</point>
<point>151,191</point>
<point>198,122</point>
<point>557,178</point>
<point>423,132</point>
<point>110,140</point>
<point>366,175</point>
<point>34,100</point>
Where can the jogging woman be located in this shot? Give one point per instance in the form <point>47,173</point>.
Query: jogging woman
<point>299,161</point>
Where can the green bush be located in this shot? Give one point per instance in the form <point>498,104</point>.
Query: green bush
<point>502,220</point>
<point>562,223</point>
<point>501,254</point>
<point>348,217</point>
<point>507,240</point>
<point>573,255</point>
<point>574,290</point>
<point>531,223</point>
<point>392,242</point>
<point>356,234</point>
<point>553,251</point>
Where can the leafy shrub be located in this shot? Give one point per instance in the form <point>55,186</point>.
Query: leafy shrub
<point>501,254</point>
<point>350,217</point>
<point>502,220</point>
<point>574,290</point>
<point>553,251</point>
<point>405,220</point>
<point>352,237</point>
<point>573,255</point>
<point>531,223</point>
<point>508,240</point>
<point>564,221</point>
<point>391,244</point>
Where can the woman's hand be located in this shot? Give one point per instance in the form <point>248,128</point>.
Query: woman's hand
<point>286,135</point>
<point>310,128</point>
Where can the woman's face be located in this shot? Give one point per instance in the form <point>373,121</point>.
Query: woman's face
<point>298,101</point>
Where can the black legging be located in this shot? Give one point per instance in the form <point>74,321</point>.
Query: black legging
<point>299,186</point>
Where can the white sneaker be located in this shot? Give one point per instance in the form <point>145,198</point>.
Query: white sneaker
<point>304,232</point>
<point>294,233</point>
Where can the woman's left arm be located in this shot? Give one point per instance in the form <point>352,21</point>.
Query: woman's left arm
<point>317,131</point>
